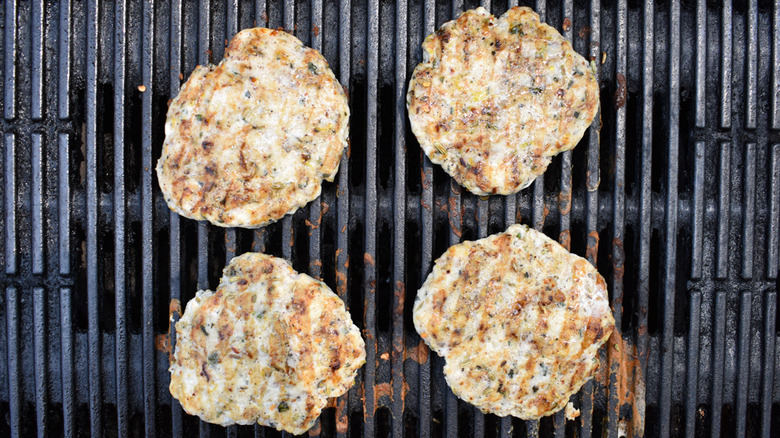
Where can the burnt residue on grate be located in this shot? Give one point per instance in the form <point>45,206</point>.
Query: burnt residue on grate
<point>673,193</point>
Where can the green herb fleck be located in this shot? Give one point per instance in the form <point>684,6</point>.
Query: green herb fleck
<point>213,358</point>
<point>199,117</point>
<point>576,114</point>
<point>536,90</point>
<point>203,329</point>
<point>517,30</point>
<point>283,407</point>
<point>313,68</point>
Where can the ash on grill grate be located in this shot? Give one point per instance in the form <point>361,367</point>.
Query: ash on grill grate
<point>676,199</point>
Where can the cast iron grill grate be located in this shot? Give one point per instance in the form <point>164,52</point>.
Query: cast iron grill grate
<point>676,200</point>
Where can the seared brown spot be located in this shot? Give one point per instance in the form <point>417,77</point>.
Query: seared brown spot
<point>205,373</point>
<point>242,160</point>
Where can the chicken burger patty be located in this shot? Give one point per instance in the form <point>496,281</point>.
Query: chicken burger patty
<point>269,346</point>
<point>518,319</point>
<point>251,139</point>
<point>495,98</point>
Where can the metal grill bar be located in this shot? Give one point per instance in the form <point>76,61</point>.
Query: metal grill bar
<point>147,166</point>
<point>10,203</point>
<point>93,313</point>
<point>41,390</point>
<point>455,235</point>
<point>564,195</point>
<point>699,190</point>
<point>538,194</point>
<point>120,298</point>
<point>773,240</point>
<point>63,60</point>
<point>593,178</point>
<point>749,212</point>
<point>12,318</point>
<point>36,181</point>
<point>174,231</point>
<point>776,64</point>
<point>342,208</point>
<point>66,364</point>
<point>63,203</point>
<point>670,254</point>
<point>692,375</point>
<point>37,60</point>
<point>618,212</point>
<point>743,360</point>
<point>427,232</point>
<point>725,64</point>
<point>455,219</point>
<point>9,38</point>
<point>645,192</point>
<point>369,256</point>
<point>719,345</point>
<point>751,67</point>
<point>767,377</point>
<point>724,207</point>
<point>399,223</point>
<point>701,62</point>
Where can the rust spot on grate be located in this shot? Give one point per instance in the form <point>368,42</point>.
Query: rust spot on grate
<point>419,353</point>
<point>620,93</point>
<point>592,250</point>
<point>342,421</point>
<point>630,383</point>
<point>565,239</point>
<point>163,342</point>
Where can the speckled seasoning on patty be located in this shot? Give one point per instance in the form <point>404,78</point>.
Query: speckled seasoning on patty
<point>518,319</point>
<point>496,98</point>
<point>269,346</point>
<point>251,139</point>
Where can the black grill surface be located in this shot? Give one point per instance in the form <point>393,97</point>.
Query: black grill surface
<point>674,195</point>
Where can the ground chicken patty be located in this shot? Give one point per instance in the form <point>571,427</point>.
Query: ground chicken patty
<point>251,139</point>
<point>495,99</point>
<point>269,346</point>
<point>518,319</point>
